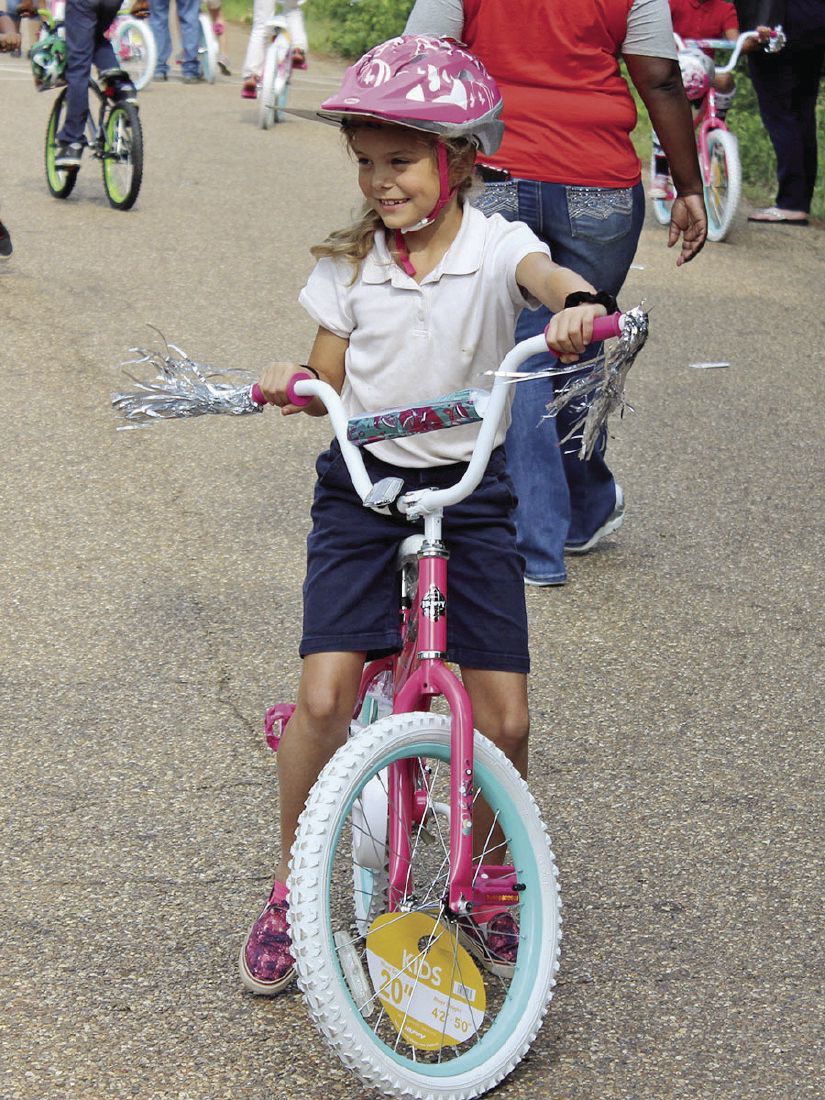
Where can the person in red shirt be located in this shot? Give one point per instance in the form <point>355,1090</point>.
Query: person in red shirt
<point>708,19</point>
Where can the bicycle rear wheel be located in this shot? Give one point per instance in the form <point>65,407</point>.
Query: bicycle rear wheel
<point>441,1026</point>
<point>723,188</point>
<point>135,49</point>
<point>274,82</point>
<point>208,50</point>
<point>60,181</point>
<point>123,156</point>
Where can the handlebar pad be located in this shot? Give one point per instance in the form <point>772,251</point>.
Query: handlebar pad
<point>256,393</point>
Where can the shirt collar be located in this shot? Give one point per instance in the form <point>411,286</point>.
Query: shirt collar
<point>463,257</point>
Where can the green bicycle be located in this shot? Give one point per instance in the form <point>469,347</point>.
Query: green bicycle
<point>113,135</point>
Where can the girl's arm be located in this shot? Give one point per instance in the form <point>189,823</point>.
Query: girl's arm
<point>326,360</point>
<point>570,330</point>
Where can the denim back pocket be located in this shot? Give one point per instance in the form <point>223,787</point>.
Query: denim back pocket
<point>600,213</point>
<point>498,198</point>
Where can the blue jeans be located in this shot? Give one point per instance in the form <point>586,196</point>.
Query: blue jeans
<point>86,24</point>
<point>189,24</point>
<point>562,499</point>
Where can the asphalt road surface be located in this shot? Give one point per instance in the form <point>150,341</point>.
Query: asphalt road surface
<point>151,604</point>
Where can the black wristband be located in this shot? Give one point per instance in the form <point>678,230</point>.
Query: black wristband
<point>585,298</point>
<point>312,370</point>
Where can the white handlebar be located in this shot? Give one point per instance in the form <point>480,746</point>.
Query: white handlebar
<point>776,42</point>
<point>427,500</point>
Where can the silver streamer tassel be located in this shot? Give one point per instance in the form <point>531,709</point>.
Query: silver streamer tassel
<point>600,391</point>
<point>180,388</point>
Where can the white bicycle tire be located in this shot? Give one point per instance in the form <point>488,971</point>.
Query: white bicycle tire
<point>273,83</point>
<point>661,207</point>
<point>208,52</point>
<point>313,939</point>
<point>720,219</point>
<point>266,96</point>
<point>141,28</point>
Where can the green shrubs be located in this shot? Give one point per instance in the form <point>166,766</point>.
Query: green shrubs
<point>353,26</point>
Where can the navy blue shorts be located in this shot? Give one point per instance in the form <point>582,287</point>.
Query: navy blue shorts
<point>351,595</point>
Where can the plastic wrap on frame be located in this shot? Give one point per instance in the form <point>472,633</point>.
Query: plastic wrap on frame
<point>461,407</point>
<point>180,388</point>
<point>600,390</point>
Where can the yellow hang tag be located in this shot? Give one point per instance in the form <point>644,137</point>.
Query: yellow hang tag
<point>428,984</point>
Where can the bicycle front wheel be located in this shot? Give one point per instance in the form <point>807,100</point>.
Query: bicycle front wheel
<point>723,188</point>
<point>135,49</point>
<point>208,50</point>
<point>123,156</point>
<point>274,83</point>
<point>60,181</point>
<point>438,1025</point>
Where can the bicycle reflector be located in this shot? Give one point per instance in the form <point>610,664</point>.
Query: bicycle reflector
<point>48,58</point>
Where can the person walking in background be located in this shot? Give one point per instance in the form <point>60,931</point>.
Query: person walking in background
<point>188,25</point>
<point>262,12</point>
<point>87,22</point>
<point>567,167</point>
<point>694,19</point>
<point>787,85</point>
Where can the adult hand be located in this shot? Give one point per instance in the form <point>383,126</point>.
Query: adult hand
<point>689,221</point>
<point>9,42</point>
<point>140,9</point>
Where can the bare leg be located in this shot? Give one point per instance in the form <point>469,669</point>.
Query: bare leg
<point>326,697</point>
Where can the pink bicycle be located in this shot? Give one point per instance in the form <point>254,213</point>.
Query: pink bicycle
<point>717,146</point>
<point>386,861</point>
<point>389,861</point>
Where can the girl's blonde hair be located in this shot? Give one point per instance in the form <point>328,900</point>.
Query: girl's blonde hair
<point>354,242</point>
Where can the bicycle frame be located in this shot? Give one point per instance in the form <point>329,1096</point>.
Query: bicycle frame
<point>419,671</point>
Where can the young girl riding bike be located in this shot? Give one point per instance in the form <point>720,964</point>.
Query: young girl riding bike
<point>419,297</point>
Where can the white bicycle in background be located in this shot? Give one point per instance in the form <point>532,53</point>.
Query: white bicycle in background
<point>208,48</point>
<point>277,70</point>
<point>134,45</point>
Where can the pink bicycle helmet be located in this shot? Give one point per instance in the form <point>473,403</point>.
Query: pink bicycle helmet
<point>697,72</point>
<point>429,84</point>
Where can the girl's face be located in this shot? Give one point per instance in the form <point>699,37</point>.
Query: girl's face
<point>397,174</point>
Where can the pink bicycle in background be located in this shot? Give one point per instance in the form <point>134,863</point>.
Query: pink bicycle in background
<point>390,856</point>
<point>716,145</point>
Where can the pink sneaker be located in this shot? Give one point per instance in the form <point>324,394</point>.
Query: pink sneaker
<point>249,88</point>
<point>494,944</point>
<point>266,964</point>
<point>299,59</point>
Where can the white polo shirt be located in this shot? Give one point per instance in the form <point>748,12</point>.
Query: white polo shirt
<point>411,342</point>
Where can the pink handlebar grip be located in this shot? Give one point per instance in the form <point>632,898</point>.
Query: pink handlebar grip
<point>294,398</point>
<point>603,327</point>
<point>256,393</point>
<point>606,327</point>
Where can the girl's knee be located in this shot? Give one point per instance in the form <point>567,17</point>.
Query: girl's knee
<point>509,731</point>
